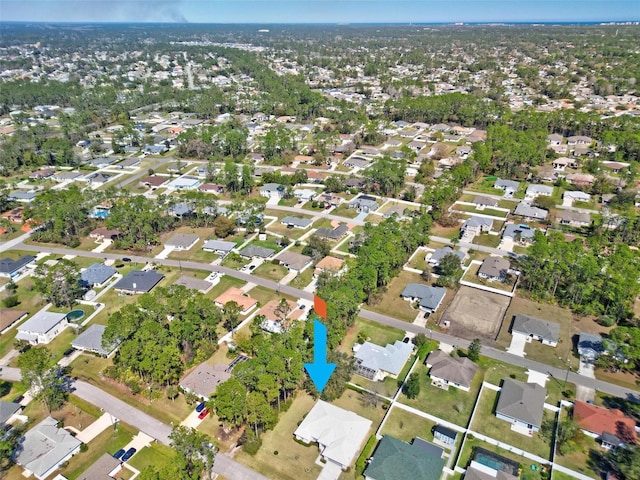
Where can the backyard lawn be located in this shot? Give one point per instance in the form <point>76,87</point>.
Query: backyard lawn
<point>487,423</point>
<point>392,304</point>
<point>406,426</point>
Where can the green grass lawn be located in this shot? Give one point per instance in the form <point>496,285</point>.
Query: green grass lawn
<point>157,455</point>
<point>387,387</point>
<point>452,405</point>
<point>11,390</point>
<point>472,276</point>
<point>344,211</point>
<point>302,279</point>
<point>392,304</point>
<point>487,240</point>
<point>196,254</point>
<point>109,441</point>
<point>271,271</point>
<point>293,461</point>
<point>225,283</point>
<point>487,423</point>
<point>486,211</point>
<point>371,331</point>
<point>406,426</point>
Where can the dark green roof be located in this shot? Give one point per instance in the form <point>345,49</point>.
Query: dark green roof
<point>394,459</point>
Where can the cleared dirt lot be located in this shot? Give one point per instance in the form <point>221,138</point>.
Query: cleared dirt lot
<point>476,314</point>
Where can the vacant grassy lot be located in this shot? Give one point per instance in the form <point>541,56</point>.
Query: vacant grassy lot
<point>157,455</point>
<point>344,211</point>
<point>487,240</point>
<point>536,350</point>
<point>406,426</point>
<point>392,304</point>
<point>487,423</point>
<point>293,460</point>
<point>452,405</point>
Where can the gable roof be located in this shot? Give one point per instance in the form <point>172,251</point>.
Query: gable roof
<point>9,316</point>
<point>218,245</point>
<point>204,379</point>
<point>504,184</point>
<point>9,266</point>
<point>454,370</point>
<point>522,401</point>
<point>96,274</point>
<point>394,459</point>
<point>193,283</point>
<point>440,253</point>
<point>600,420</point>
<point>535,189</point>
<point>573,216</point>
<point>293,260</point>
<point>511,230</point>
<point>429,297</point>
<point>390,358</point>
<point>91,340</point>
<point>481,200</point>
<point>330,263</point>
<point>44,446</point>
<point>139,281</point>
<point>101,468</point>
<point>527,210</point>
<point>536,326</point>
<point>256,251</point>
<point>296,221</point>
<point>42,322</point>
<point>7,409</point>
<point>234,294</point>
<point>494,267</point>
<point>181,240</point>
<point>339,431</point>
<point>478,222</point>
<point>333,233</point>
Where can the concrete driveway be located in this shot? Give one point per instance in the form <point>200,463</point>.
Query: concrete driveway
<point>518,342</point>
<point>192,420</point>
<point>96,428</point>
<point>138,442</point>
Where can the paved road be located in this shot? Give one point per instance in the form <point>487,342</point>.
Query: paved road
<point>500,197</point>
<point>9,244</point>
<point>369,315</point>
<point>143,172</point>
<point>473,246</point>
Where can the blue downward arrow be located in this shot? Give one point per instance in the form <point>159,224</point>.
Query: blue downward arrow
<point>319,370</point>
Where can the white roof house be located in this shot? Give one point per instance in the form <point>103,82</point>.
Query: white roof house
<point>375,362</point>
<point>339,433</point>
<point>91,341</point>
<point>534,191</point>
<point>42,327</point>
<point>45,447</point>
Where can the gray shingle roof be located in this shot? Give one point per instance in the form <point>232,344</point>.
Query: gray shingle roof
<point>96,274</point>
<point>8,266</point>
<point>293,260</point>
<point>333,233</point>
<point>394,459</point>
<point>218,245</point>
<point>204,379</point>
<point>522,401</point>
<point>536,326</point>
<point>526,210</point>
<point>494,267</point>
<point>454,370</point>
<point>478,222</point>
<point>429,297</point>
<point>504,184</point>
<point>389,359</point>
<point>256,251</point>
<point>139,281</point>
<point>91,340</point>
<point>181,240</point>
<point>511,230</point>
<point>100,469</point>
<point>296,221</point>
<point>440,253</point>
<point>7,409</point>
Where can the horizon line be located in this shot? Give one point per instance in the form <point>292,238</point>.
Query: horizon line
<point>408,23</point>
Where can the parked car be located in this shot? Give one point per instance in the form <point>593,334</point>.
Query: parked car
<point>203,414</point>
<point>200,407</point>
<point>119,453</point>
<point>129,454</point>
<point>68,351</point>
<point>126,259</point>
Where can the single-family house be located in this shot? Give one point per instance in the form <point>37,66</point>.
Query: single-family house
<point>476,226</point>
<point>98,178</point>
<point>44,448</point>
<point>494,268</point>
<point>561,163</point>
<point>138,281</point>
<point>155,149</point>
<point>278,319</point>
<point>428,298</point>
<point>554,139</point>
<point>534,191</point>
<point>15,215</point>
<point>294,262</point>
<point>106,467</point>
<point>272,190</point>
<point>184,183</point>
<point>509,187</point>
<point>394,459</point>
<point>153,181</point>
<point>522,405</point>
<point>482,202</point>
<point>211,188</point>
<point>573,218</point>
<point>182,241</point>
<point>590,347</point>
<point>304,194</point>
<point>612,427</point>
<point>129,162</point>
<point>434,258</point>
<point>444,436</point>
<point>13,268</point>
<point>329,264</point>
<point>576,196</point>
<point>333,233</point>
<point>22,196</point>
<point>536,329</point>
<point>615,167</point>
<point>580,179</point>
<point>234,294</point>
<point>42,327</point>
<point>297,222</point>
<point>446,371</point>
<point>397,210</point>
<point>181,210</point>
<point>364,203</point>
<point>375,362</point>
<point>9,317</point>
<point>192,283</point>
<point>526,210</point>
<point>10,413</point>
<point>221,247</point>
<point>204,380</point>
<point>522,234</point>
<point>101,234</point>
<point>339,433</point>
<point>41,174</point>
<point>96,275</point>
<point>254,251</point>
<point>357,162</point>
<point>579,140</point>
<point>91,341</point>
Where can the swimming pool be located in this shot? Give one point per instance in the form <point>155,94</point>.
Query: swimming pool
<point>489,462</point>
<point>75,315</point>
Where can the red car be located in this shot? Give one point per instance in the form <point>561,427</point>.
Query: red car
<point>203,413</point>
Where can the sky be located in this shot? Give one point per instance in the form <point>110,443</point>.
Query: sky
<point>319,11</point>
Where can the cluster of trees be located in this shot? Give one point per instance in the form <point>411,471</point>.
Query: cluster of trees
<point>45,379</point>
<point>384,249</point>
<point>159,336</point>
<point>596,280</point>
<point>386,176</point>
<point>59,283</point>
